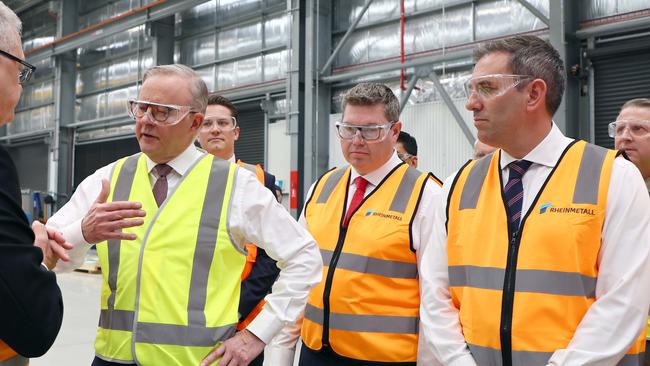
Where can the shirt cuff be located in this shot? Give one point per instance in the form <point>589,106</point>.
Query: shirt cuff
<point>278,356</point>
<point>73,234</point>
<point>265,326</point>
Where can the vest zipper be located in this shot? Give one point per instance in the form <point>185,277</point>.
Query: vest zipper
<point>508,296</point>
<point>328,286</point>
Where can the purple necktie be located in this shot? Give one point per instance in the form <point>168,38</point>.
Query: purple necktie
<point>514,191</point>
<point>160,188</point>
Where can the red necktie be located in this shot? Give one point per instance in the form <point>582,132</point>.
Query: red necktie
<point>361,184</point>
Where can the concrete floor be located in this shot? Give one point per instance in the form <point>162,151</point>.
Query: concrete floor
<point>74,345</point>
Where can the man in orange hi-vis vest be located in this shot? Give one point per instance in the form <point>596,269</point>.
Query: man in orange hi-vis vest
<point>217,136</point>
<point>542,247</point>
<point>371,221</point>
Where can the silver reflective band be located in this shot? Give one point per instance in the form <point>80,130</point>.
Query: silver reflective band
<point>365,323</point>
<point>474,183</point>
<point>404,191</point>
<point>374,266</point>
<point>121,192</point>
<point>588,182</point>
<point>17,360</point>
<point>116,319</point>
<point>329,185</point>
<point>181,335</point>
<point>527,280</point>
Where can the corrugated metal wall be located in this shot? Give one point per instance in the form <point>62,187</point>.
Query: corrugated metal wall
<point>442,147</point>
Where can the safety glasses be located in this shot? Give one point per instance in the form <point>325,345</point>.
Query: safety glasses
<point>222,123</point>
<point>164,114</point>
<point>494,85</point>
<point>636,128</point>
<point>368,133</point>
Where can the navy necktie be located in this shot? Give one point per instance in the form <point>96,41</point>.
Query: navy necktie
<point>514,191</point>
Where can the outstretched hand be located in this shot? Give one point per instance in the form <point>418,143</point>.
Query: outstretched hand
<point>52,243</point>
<point>106,220</point>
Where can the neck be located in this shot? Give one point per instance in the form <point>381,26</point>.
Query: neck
<point>528,139</point>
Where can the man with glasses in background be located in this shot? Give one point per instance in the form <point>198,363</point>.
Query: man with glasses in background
<point>170,224</point>
<point>371,220</point>
<point>31,308</point>
<point>631,133</point>
<point>541,248</point>
<point>407,149</point>
<point>217,135</point>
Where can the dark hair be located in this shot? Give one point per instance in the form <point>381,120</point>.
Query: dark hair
<point>638,102</point>
<point>531,56</point>
<point>372,94</point>
<point>409,143</point>
<point>216,99</point>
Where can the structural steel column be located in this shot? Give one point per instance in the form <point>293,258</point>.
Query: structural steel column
<point>296,103</point>
<point>59,182</point>
<point>563,25</point>
<point>163,43</point>
<point>317,94</point>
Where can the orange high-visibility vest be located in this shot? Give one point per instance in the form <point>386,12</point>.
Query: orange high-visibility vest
<point>251,251</point>
<point>522,295</point>
<point>367,305</point>
<point>6,352</point>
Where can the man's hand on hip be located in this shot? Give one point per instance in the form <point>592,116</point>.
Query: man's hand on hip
<point>106,220</point>
<point>239,350</point>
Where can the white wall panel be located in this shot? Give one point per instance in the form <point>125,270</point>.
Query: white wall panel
<point>279,156</point>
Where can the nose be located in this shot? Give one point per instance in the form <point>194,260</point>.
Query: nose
<point>357,139</point>
<point>625,135</point>
<point>473,103</point>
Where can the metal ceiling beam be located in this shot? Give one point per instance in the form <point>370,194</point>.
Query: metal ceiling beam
<point>366,70</point>
<point>407,93</point>
<point>626,26</point>
<point>158,10</point>
<point>464,126</point>
<point>26,5</point>
<point>535,11</point>
<point>343,40</point>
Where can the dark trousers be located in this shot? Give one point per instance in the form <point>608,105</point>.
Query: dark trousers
<point>326,357</point>
<point>647,353</point>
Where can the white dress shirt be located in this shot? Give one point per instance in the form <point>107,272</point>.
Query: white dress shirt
<point>618,314</point>
<point>280,352</point>
<point>255,217</point>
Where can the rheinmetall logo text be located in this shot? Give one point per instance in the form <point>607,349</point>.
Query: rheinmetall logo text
<point>383,215</point>
<point>547,207</point>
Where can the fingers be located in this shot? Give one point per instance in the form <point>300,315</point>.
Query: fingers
<point>40,233</point>
<point>124,214</point>
<point>227,360</point>
<point>214,356</point>
<point>59,251</point>
<point>103,194</point>
<point>121,205</point>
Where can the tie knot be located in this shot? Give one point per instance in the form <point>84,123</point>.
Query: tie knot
<point>162,170</point>
<point>519,167</point>
<point>361,183</point>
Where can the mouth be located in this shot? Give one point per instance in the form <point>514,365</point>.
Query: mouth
<point>216,139</point>
<point>146,135</point>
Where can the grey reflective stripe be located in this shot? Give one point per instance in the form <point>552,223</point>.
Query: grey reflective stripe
<point>206,241</point>
<point>181,335</point>
<point>329,185</point>
<point>380,267</point>
<point>474,183</point>
<point>527,280</point>
<point>485,356</point>
<point>365,323</point>
<point>17,360</point>
<point>116,319</point>
<point>121,192</point>
<point>405,190</point>
<point>586,190</point>
<point>632,360</point>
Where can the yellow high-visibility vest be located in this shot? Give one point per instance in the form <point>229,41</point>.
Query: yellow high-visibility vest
<point>367,304</point>
<point>172,294</point>
<point>522,295</point>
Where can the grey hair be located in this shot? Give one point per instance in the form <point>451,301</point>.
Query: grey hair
<point>530,55</point>
<point>10,28</point>
<point>372,94</point>
<point>197,86</point>
<point>638,102</point>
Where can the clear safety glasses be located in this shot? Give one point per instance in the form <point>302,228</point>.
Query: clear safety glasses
<point>164,114</point>
<point>491,86</point>
<point>368,133</point>
<point>635,128</point>
<point>222,123</point>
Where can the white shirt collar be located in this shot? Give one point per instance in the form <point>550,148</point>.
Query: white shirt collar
<point>375,177</point>
<point>182,163</point>
<point>546,153</point>
<point>232,159</point>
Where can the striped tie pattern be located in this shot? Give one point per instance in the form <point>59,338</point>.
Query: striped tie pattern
<point>514,191</point>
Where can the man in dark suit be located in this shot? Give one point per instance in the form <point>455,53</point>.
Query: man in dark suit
<point>31,308</point>
<point>217,135</point>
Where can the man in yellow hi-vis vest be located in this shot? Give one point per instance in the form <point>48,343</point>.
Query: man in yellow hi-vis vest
<point>631,133</point>
<point>217,135</point>
<point>170,225</point>
<point>542,247</point>
<point>371,220</point>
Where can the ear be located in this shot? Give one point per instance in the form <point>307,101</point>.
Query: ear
<point>236,133</point>
<point>397,127</point>
<point>197,121</point>
<point>536,97</point>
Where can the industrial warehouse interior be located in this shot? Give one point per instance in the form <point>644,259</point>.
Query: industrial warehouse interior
<point>285,65</point>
